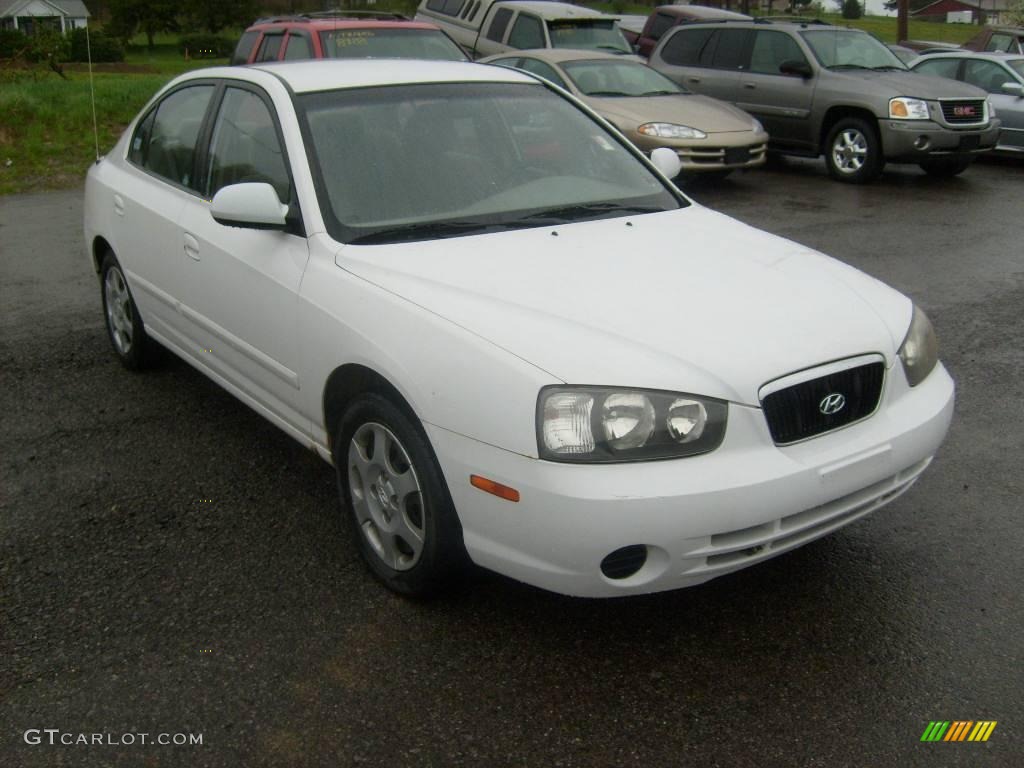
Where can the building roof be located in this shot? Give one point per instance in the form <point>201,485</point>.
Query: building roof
<point>73,8</point>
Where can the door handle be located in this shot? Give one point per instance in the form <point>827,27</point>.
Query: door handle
<point>119,205</point>
<point>191,247</point>
<point>693,79</point>
<point>751,86</point>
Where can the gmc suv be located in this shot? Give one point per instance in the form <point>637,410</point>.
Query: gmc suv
<point>820,89</point>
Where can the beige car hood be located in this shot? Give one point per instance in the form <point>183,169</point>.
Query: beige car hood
<point>701,112</point>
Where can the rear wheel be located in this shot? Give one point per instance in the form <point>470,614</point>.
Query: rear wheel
<point>124,326</point>
<point>946,167</point>
<point>397,500</point>
<point>853,151</point>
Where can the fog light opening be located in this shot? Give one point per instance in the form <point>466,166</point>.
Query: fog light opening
<point>624,562</point>
<point>922,143</point>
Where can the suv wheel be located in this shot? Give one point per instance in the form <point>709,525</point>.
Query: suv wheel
<point>945,167</point>
<point>853,152</point>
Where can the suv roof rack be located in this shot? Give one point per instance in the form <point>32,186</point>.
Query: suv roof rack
<point>336,14</point>
<point>795,20</point>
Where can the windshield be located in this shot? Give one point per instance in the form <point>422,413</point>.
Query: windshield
<point>417,162</point>
<point>593,34</point>
<point>850,49</point>
<point>603,77</point>
<point>1017,65</point>
<point>390,44</point>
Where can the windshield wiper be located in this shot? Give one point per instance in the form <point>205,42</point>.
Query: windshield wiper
<point>587,210</point>
<point>890,68</point>
<point>613,49</point>
<point>606,93</point>
<point>424,231</point>
<point>848,66</point>
<point>659,93</point>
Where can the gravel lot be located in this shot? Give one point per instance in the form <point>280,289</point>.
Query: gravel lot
<point>170,563</point>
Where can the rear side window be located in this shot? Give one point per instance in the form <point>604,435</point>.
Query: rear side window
<point>939,68</point>
<point>683,49</point>
<point>270,47</point>
<point>165,141</point>
<point>447,7</point>
<point>660,24</point>
<point>731,49</point>
<point>298,48</point>
<point>499,24</point>
<point>527,32</point>
<point>244,47</point>
<point>245,147</point>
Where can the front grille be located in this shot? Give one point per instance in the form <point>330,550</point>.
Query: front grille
<point>800,411</point>
<point>721,155</point>
<point>963,111</point>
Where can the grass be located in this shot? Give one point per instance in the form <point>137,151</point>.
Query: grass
<point>46,137</point>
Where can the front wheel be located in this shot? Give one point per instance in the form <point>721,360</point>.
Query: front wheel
<point>946,167</point>
<point>853,151</point>
<point>124,325</point>
<point>390,483</point>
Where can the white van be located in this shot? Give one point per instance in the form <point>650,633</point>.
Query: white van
<point>486,27</point>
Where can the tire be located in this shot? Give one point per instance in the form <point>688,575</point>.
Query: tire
<point>853,151</point>
<point>396,499</point>
<point>946,167</point>
<point>125,330</point>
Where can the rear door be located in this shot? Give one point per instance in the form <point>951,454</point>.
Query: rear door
<point>781,102</point>
<point>704,59</point>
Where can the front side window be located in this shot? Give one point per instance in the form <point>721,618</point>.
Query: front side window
<point>390,44</point>
<point>270,47</point>
<point>527,32</point>
<point>499,24</point>
<point>604,78</point>
<point>1000,43</point>
<point>683,49</point>
<point>245,147</point>
<point>165,142</point>
<point>487,157</point>
<point>986,75</point>
<point>939,68</point>
<point>541,69</point>
<point>771,49</point>
<point>1017,65</point>
<point>298,48</point>
<point>588,34</point>
<point>850,49</point>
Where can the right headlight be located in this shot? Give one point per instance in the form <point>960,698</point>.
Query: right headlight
<point>612,424</point>
<point>919,351</point>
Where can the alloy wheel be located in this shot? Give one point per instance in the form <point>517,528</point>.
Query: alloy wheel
<point>119,310</point>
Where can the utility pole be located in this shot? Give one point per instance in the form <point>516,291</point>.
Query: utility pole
<point>902,12</point>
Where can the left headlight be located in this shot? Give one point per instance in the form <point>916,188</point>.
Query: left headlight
<point>919,351</point>
<point>670,131</point>
<point>610,424</point>
<point>904,108</point>
<point>758,127</point>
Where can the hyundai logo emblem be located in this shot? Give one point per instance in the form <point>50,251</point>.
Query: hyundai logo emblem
<point>831,404</point>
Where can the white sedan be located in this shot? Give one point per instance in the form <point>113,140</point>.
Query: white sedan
<point>515,340</point>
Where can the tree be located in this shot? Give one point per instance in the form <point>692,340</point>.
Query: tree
<point>851,9</point>
<point>1015,14</point>
<point>215,16</point>
<point>150,16</point>
<point>913,5</point>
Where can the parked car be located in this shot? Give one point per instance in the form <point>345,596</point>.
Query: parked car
<point>489,27</point>
<point>1000,74</point>
<point>712,138</point>
<point>904,54</point>
<point>344,35</point>
<point>664,17</point>
<point>631,25</point>
<point>992,39</point>
<point>513,337</point>
<point>820,89</point>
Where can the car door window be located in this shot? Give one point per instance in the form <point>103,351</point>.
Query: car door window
<point>298,48</point>
<point>770,49</point>
<point>244,47</point>
<point>270,47</point>
<point>527,32</point>
<point>986,75</point>
<point>1000,43</point>
<point>499,24</point>
<point>683,49</point>
<point>539,68</point>
<point>165,141</point>
<point>660,24</point>
<point>245,146</point>
<point>730,49</point>
<point>939,68</point>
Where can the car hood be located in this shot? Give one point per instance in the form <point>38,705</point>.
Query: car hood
<point>915,85</point>
<point>702,112</point>
<point>686,300</point>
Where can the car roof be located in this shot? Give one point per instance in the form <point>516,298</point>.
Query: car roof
<point>963,53</point>
<point>321,25</point>
<point>333,74</point>
<point>549,10</point>
<point>700,12</point>
<point>561,55</point>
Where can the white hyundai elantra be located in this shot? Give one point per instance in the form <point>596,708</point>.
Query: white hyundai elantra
<point>515,340</point>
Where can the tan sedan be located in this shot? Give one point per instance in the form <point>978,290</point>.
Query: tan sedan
<point>710,136</point>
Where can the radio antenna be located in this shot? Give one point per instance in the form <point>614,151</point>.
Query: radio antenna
<point>92,92</point>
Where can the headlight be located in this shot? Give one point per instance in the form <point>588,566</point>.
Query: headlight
<point>920,349</point>
<point>670,131</point>
<point>758,128</point>
<point>991,108</point>
<point>607,424</point>
<point>902,108</point>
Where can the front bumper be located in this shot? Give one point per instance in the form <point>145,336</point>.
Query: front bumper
<point>911,141</point>
<point>698,517</point>
<point>718,152</point>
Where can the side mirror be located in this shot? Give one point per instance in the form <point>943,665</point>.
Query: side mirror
<point>667,161</point>
<point>798,68</point>
<point>253,205</point>
<point>1014,89</point>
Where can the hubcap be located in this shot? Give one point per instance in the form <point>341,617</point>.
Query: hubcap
<point>119,310</point>
<point>850,151</point>
<point>386,496</point>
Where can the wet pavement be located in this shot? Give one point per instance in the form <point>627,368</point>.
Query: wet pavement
<point>172,564</point>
